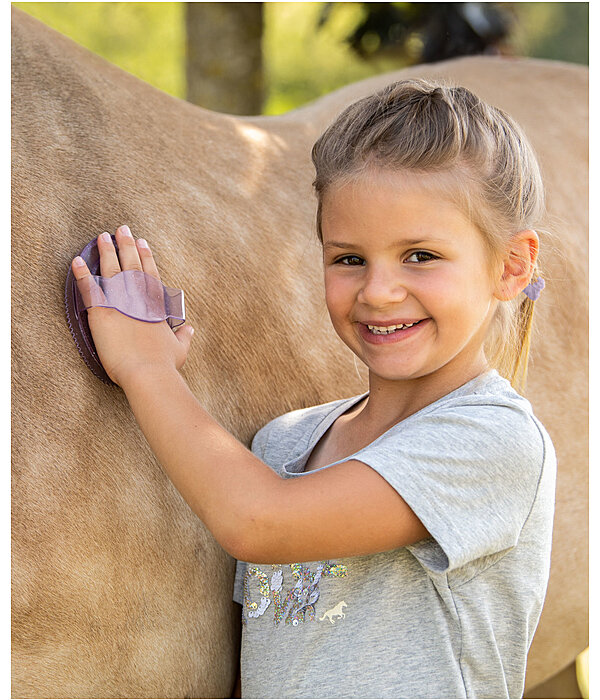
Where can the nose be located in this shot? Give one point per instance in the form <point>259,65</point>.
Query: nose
<point>383,285</point>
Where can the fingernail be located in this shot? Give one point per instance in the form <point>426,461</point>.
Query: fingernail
<point>143,243</point>
<point>79,261</point>
<point>105,237</point>
<point>125,230</point>
<point>191,331</point>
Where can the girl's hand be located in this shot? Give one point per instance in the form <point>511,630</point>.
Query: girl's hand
<point>126,346</point>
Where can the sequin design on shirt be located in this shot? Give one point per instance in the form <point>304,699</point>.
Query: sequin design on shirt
<point>257,609</point>
<point>295,606</point>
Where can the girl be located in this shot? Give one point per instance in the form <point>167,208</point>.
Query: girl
<point>398,543</point>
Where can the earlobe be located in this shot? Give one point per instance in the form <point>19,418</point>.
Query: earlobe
<point>518,264</point>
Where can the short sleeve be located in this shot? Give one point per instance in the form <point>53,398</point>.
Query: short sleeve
<point>469,472</point>
<point>259,441</point>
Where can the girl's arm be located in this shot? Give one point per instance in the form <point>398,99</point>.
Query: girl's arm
<point>347,509</point>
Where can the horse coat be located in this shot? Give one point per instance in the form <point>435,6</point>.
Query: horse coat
<point>118,589</point>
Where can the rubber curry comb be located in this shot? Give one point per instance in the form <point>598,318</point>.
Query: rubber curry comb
<point>132,292</point>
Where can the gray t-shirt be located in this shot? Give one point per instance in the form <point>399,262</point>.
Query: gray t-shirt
<point>451,616</point>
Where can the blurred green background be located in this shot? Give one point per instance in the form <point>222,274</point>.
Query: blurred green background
<point>300,62</point>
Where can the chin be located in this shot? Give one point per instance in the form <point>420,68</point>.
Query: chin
<point>397,375</point>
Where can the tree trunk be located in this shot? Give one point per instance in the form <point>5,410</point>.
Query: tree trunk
<point>224,57</point>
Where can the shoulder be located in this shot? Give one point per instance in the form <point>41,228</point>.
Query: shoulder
<point>481,431</point>
<point>470,466</point>
<point>287,430</point>
<point>488,413</point>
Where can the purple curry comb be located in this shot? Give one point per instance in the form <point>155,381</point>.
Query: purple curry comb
<point>132,292</point>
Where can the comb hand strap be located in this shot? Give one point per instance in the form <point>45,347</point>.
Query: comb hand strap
<point>135,294</point>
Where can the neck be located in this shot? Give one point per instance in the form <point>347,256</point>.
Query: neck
<point>390,401</point>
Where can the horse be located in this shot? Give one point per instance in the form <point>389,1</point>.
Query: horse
<point>118,590</point>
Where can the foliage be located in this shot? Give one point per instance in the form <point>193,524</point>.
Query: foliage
<point>556,30</point>
<point>302,61</point>
<point>437,30</point>
<point>147,39</point>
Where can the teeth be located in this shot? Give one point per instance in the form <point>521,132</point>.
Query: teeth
<point>384,330</point>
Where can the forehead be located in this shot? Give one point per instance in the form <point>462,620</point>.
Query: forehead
<point>398,202</point>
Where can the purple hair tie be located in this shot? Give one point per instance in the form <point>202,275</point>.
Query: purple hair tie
<point>534,289</point>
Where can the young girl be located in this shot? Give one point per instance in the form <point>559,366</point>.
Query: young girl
<point>398,543</point>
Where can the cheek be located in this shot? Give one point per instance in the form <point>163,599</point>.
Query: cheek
<point>467,285</point>
<point>481,290</point>
<point>339,294</point>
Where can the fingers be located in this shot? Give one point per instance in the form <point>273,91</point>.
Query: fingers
<point>109,261</point>
<point>184,336</point>
<point>146,257</point>
<point>132,255</point>
<point>80,269</point>
<point>89,290</point>
<point>128,253</point>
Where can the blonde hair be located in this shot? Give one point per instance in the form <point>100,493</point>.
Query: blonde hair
<point>427,127</point>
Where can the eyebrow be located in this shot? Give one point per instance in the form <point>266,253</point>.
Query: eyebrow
<point>405,243</point>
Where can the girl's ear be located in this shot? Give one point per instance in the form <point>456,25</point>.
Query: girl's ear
<point>518,265</point>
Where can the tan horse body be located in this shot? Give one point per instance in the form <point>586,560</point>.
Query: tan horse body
<point>118,590</point>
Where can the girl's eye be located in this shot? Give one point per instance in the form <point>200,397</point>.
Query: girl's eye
<point>350,260</point>
<point>420,256</point>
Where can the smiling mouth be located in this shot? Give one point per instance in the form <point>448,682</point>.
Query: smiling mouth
<point>386,330</point>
